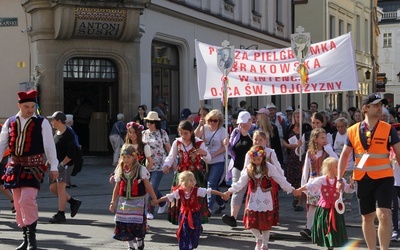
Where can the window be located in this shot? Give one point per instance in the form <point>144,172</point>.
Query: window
<point>358,34</point>
<point>332,27</point>
<point>366,36</point>
<point>387,40</point>
<point>165,77</point>
<point>279,11</point>
<point>348,27</point>
<point>89,68</point>
<point>256,7</point>
<point>341,27</point>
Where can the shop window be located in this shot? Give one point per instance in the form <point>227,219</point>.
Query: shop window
<point>165,78</point>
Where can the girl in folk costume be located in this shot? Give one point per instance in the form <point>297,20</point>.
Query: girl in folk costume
<point>189,151</point>
<point>134,137</point>
<point>131,185</point>
<point>258,215</point>
<point>318,150</point>
<point>187,193</point>
<point>328,228</point>
<point>261,139</point>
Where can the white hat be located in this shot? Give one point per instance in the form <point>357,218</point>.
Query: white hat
<point>271,105</point>
<point>289,108</point>
<point>152,116</point>
<point>70,118</point>
<point>243,117</point>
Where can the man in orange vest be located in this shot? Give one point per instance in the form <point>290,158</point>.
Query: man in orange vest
<point>370,140</point>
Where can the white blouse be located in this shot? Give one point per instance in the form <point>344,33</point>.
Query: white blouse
<point>202,192</point>
<point>259,200</point>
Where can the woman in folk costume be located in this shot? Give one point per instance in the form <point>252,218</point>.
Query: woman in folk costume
<point>189,230</point>
<point>258,216</point>
<point>189,151</point>
<point>328,228</point>
<point>129,198</point>
<point>318,150</point>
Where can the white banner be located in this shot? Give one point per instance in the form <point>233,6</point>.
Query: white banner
<point>331,67</point>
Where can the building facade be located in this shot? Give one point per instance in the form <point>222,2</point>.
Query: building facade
<point>332,18</point>
<point>388,82</point>
<point>112,56</point>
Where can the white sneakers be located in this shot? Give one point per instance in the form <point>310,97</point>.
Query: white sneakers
<point>161,210</point>
<point>150,216</point>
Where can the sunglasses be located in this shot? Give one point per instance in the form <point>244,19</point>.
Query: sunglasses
<point>335,114</point>
<point>212,120</point>
<point>151,122</point>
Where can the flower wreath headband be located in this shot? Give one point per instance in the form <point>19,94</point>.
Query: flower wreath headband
<point>258,152</point>
<point>128,152</point>
<point>134,125</point>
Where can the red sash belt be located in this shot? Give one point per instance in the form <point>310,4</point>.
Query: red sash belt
<point>186,213</point>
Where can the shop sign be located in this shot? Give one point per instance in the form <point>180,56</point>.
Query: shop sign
<point>7,22</point>
<point>99,23</point>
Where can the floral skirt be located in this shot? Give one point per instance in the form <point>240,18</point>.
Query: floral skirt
<point>258,220</point>
<point>175,206</point>
<point>319,230</point>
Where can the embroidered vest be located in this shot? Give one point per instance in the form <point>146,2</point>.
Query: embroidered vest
<point>30,135</point>
<point>264,182</point>
<point>329,194</point>
<point>316,163</point>
<point>191,204</point>
<point>185,162</point>
<point>137,187</point>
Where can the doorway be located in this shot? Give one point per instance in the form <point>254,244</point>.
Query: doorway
<point>91,94</point>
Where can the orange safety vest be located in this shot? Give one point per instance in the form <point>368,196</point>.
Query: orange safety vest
<point>377,165</point>
<point>7,151</point>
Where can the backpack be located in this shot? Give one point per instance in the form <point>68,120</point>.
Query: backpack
<point>78,161</point>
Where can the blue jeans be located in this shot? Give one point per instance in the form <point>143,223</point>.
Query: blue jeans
<point>215,172</point>
<point>155,179</point>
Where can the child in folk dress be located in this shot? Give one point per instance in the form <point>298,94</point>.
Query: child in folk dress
<point>328,228</point>
<point>318,150</point>
<point>259,212</point>
<point>189,230</point>
<point>129,198</point>
<point>189,151</point>
<point>260,138</point>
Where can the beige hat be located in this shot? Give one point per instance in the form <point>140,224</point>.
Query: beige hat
<point>152,116</point>
<point>271,105</point>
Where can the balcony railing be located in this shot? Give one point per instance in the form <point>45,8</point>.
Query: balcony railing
<point>391,15</point>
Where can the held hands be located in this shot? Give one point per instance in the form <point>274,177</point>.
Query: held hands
<point>154,203</point>
<point>296,192</point>
<point>226,195</point>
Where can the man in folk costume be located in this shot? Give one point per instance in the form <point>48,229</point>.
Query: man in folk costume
<point>28,136</point>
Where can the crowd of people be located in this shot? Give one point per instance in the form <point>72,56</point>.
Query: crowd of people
<point>336,154</point>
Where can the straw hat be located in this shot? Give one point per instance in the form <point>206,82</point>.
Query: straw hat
<point>152,116</point>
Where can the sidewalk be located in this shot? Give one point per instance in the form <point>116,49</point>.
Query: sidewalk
<point>92,227</point>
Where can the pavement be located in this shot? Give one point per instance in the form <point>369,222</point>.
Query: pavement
<point>92,227</point>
